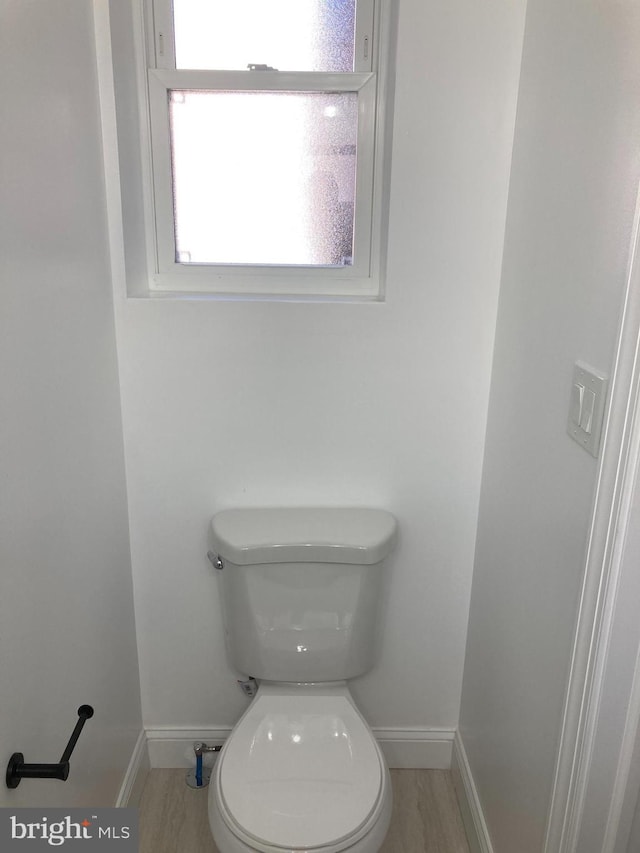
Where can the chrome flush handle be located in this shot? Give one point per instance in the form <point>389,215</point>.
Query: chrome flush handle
<point>215,561</point>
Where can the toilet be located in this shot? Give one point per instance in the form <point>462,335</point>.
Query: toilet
<point>301,771</point>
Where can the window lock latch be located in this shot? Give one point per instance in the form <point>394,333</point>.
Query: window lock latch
<point>258,66</point>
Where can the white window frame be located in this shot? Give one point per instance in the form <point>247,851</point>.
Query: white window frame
<point>363,278</point>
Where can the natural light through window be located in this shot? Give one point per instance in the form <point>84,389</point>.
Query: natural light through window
<point>289,35</point>
<point>277,187</point>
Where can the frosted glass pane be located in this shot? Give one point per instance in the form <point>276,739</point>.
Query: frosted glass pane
<point>264,177</point>
<point>288,35</point>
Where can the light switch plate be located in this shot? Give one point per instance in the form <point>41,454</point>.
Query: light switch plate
<point>586,406</point>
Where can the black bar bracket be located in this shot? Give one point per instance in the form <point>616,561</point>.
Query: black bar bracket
<point>18,770</point>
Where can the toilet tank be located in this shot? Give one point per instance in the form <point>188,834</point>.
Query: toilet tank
<point>301,589</point>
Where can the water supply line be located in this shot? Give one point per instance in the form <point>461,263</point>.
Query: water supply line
<point>198,776</point>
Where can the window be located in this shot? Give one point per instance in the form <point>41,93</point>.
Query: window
<point>266,146</point>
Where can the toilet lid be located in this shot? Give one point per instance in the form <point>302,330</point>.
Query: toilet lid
<point>300,771</point>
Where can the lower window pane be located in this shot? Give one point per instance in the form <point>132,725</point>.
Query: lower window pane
<point>264,177</point>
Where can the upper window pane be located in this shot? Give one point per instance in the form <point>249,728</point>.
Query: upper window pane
<point>287,35</point>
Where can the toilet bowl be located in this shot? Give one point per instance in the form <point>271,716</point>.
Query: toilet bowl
<point>301,771</point>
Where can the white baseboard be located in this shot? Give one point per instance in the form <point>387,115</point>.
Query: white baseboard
<point>136,774</point>
<point>422,749</point>
<point>472,816</point>
<point>406,748</point>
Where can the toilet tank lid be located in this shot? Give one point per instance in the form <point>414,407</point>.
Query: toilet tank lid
<point>314,535</point>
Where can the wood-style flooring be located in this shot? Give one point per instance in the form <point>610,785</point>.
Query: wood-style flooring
<point>426,818</point>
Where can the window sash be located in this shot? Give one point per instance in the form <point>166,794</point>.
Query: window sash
<point>243,278</point>
<point>161,45</point>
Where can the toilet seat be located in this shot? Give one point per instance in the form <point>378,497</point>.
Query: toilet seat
<point>301,771</point>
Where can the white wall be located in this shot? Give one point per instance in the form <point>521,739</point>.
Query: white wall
<point>573,184</point>
<point>67,632</point>
<point>251,403</point>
